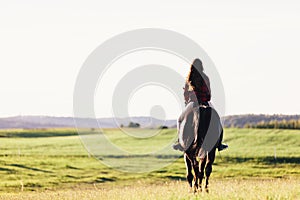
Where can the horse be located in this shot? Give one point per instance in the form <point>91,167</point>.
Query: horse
<point>200,137</point>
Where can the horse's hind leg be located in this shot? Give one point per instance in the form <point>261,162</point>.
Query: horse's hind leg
<point>196,172</point>
<point>201,171</point>
<point>189,175</point>
<point>208,169</point>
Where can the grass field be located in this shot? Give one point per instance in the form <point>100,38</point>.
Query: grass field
<point>43,164</point>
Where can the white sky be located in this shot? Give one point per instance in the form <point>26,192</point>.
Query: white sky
<point>255,47</point>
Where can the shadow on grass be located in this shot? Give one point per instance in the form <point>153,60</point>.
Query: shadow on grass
<point>7,170</point>
<point>30,168</point>
<point>104,179</point>
<point>269,160</point>
<point>142,156</point>
<point>71,167</point>
<point>36,134</point>
<point>176,178</point>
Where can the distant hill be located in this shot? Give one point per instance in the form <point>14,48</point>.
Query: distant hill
<point>241,121</point>
<point>35,122</point>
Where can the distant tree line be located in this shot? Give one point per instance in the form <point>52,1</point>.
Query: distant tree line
<point>163,127</point>
<point>275,124</point>
<point>133,125</point>
<point>262,121</point>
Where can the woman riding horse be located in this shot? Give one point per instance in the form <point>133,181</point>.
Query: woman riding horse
<point>196,93</point>
<point>198,127</point>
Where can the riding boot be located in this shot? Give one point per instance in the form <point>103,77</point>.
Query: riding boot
<point>221,146</point>
<point>177,146</point>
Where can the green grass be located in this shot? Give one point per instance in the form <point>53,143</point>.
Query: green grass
<point>219,189</point>
<point>29,133</point>
<point>55,159</point>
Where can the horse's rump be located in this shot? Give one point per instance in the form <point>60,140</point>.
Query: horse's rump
<point>201,131</point>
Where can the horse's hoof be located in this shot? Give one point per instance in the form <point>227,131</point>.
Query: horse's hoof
<point>195,189</point>
<point>200,189</point>
<point>206,189</point>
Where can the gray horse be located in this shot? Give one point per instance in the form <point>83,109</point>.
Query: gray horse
<point>199,138</point>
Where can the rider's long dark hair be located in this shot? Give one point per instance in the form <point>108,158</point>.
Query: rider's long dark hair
<point>194,78</point>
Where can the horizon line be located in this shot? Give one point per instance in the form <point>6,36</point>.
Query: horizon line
<point>61,116</point>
